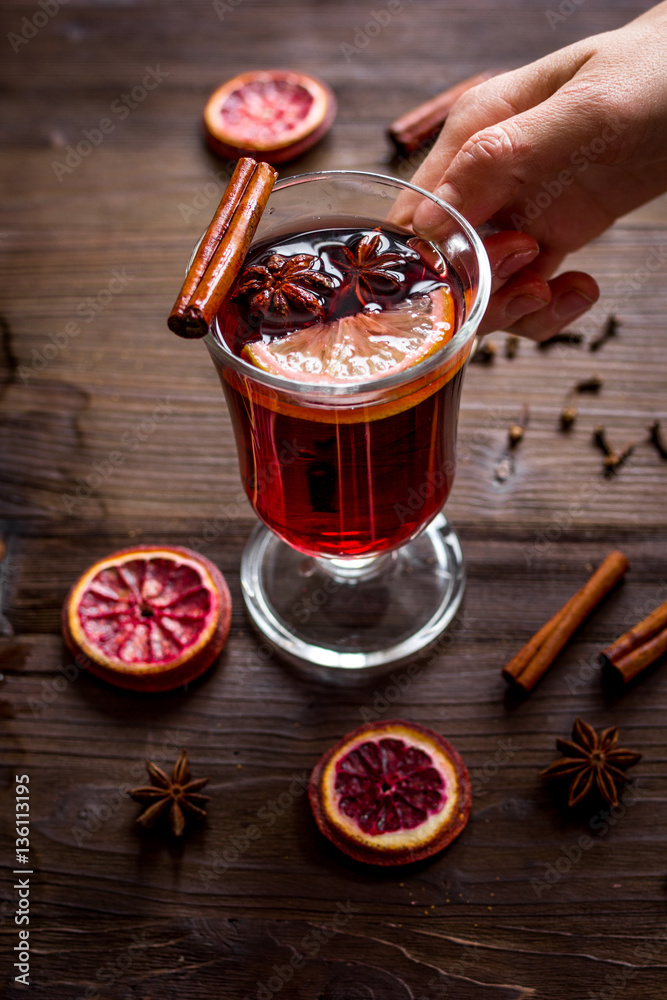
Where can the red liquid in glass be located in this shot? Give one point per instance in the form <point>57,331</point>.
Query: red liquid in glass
<point>341,482</point>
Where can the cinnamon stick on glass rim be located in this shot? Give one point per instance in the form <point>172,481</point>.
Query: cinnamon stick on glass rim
<point>639,647</point>
<point>236,221</point>
<point>423,123</point>
<point>211,238</point>
<point>533,661</point>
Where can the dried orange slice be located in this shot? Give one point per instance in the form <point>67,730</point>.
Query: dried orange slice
<point>148,618</point>
<point>390,793</point>
<point>360,348</point>
<point>272,114</point>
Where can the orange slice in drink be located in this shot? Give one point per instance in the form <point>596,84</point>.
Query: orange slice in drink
<point>148,618</point>
<point>363,347</point>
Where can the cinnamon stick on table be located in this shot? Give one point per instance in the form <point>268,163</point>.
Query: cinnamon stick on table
<point>234,225</point>
<point>423,123</point>
<point>520,661</point>
<point>533,661</point>
<point>639,647</point>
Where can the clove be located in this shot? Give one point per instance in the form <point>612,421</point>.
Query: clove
<point>612,460</point>
<point>562,337</point>
<point>609,330</point>
<point>592,384</point>
<point>505,465</point>
<point>511,346</point>
<point>515,433</point>
<point>656,439</point>
<point>568,415</point>
<point>484,354</point>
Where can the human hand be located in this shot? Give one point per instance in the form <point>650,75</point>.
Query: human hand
<point>555,151</point>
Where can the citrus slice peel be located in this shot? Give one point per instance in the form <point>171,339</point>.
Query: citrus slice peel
<point>275,114</point>
<point>391,793</point>
<point>148,618</point>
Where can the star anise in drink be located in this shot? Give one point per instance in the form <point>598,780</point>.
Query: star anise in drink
<point>593,763</point>
<point>366,272</point>
<point>284,287</point>
<point>172,798</point>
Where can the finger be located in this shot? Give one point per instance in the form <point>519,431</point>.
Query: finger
<point>529,148</point>
<point>525,293</point>
<point>572,295</point>
<point>487,104</point>
<point>480,106</point>
<point>509,252</point>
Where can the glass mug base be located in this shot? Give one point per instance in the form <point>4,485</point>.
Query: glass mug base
<point>356,616</point>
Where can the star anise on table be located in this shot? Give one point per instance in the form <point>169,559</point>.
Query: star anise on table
<point>175,798</point>
<point>284,285</point>
<point>593,763</point>
<point>365,271</point>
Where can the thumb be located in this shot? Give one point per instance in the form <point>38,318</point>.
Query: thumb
<point>493,165</point>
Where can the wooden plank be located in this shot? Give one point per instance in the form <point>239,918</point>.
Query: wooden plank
<point>509,910</point>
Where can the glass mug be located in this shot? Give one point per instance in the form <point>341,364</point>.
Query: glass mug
<point>353,567</point>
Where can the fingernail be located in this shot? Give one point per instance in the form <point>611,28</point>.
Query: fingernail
<point>449,194</point>
<point>515,261</point>
<point>523,304</point>
<point>572,304</point>
<point>428,216</point>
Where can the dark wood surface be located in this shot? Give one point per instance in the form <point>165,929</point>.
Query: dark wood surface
<point>509,910</point>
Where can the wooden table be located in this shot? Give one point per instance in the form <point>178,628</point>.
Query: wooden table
<point>511,909</point>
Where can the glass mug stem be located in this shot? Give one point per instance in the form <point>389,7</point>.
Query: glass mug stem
<point>357,568</point>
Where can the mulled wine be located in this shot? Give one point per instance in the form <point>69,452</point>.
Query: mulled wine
<point>335,308</point>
